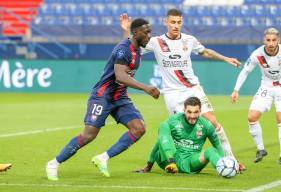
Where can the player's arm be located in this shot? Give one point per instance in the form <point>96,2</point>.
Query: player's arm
<point>211,54</point>
<point>213,138</point>
<point>248,68</point>
<point>150,161</point>
<point>125,23</point>
<point>121,74</point>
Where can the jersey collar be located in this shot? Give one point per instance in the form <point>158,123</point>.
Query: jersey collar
<point>170,38</point>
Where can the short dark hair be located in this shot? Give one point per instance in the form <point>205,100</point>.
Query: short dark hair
<point>138,23</point>
<point>192,101</point>
<point>174,12</point>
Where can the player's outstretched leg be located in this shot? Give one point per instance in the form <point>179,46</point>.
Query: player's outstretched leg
<point>223,138</point>
<point>68,151</point>
<point>136,130</point>
<point>5,166</point>
<point>76,143</point>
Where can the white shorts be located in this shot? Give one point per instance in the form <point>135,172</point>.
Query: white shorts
<point>175,100</point>
<point>264,98</point>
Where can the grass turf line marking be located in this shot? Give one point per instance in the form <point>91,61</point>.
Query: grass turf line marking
<point>117,187</point>
<point>265,187</point>
<point>42,131</point>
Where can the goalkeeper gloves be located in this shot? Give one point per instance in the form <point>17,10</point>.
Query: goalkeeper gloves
<point>172,167</point>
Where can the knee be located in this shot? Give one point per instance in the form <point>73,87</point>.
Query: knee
<point>252,118</point>
<point>87,138</point>
<point>138,130</point>
<point>89,134</point>
<point>211,150</point>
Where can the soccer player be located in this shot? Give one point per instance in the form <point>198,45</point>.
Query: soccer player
<point>172,51</point>
<point>109,97</point>
<point>5,166</point>
<point>180,141</point>
<point>268,58</point>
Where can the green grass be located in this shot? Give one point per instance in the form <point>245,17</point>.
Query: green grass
<point>29,153</point>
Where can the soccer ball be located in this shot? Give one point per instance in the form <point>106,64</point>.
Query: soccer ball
<point>227,167</point>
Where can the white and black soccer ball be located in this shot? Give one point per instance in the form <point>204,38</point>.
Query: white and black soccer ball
<point>227,167</point>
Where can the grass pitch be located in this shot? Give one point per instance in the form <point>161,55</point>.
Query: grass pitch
<point>35,127</point>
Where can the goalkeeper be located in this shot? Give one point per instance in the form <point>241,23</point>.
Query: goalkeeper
<point>180,141</point>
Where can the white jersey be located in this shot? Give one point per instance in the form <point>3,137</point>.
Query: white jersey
<point>173,57</point>
<point>270,67</point>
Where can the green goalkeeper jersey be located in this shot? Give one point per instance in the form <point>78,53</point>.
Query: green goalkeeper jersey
<point>179,139</point>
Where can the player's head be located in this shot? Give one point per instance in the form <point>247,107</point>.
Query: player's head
<point>192,109</point>
<point>141,31</point>
<point>174,23</point>
<point>271,40</point>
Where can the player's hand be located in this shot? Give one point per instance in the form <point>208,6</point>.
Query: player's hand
<point>153,91</point>
<point>171,168</point>
<point>234,96</point>
<point>146,169</point>
<point>125,22</point>
<point>233,61</point>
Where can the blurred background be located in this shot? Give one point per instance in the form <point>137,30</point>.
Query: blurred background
<point>73,39</point>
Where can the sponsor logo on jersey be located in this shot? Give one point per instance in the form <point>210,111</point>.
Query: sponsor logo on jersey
<point>174,63</point>
<point>186,143</point>
<point>120,54</point>
<point>175,56</point>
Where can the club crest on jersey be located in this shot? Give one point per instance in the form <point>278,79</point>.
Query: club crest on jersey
<point>184,45</point>
<point>94,118</point>
<point>199,134</point>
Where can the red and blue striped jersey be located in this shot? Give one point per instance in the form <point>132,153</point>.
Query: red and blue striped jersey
<point>124,53</point>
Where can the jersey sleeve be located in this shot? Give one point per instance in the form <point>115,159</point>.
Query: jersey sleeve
<point>213,138</point>
<point>148,48</point>
<point>166,141</point>
<point>122,57</point>
<point>250,64</point>
<point>197,47</point>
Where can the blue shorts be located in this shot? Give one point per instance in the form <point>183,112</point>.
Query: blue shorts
<point>121,110</point>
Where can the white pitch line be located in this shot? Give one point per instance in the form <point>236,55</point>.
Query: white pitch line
<point>118,187</point>
<point>42,131</point>
<point>265,187</point>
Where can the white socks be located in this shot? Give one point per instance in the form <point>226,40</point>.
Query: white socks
<point>256,132</point>
<point>54,163</point>
<point>225,143</point>
<point>104,156</point>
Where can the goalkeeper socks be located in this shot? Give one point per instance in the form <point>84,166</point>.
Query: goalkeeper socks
<point>279,130</point>
<point>256,132</point>
<point>125,141</point>
<point>212,155</point>
<point>224,142</point>
<point>70,149</point>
